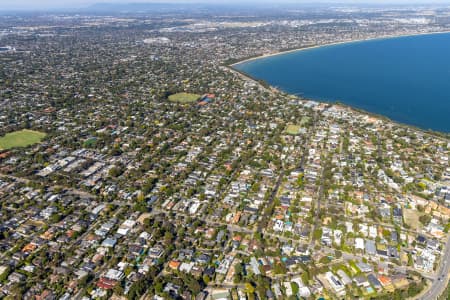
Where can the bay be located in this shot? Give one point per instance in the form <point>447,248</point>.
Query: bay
<point>406,79</point>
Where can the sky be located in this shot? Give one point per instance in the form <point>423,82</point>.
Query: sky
<point>48,4</point>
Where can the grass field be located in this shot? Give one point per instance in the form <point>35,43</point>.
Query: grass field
<point>293,129</point>
<point>22,138</point>
<point>184,98</point>
<point>304,121</point>
<point>411,217</point>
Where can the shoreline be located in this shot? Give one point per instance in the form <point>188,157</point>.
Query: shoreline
<point>273,89</point>
<point>439,134</point>
<point>267,86</point>
<point>263,56</point>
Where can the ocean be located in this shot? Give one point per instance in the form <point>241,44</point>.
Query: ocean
<point>406,79</point>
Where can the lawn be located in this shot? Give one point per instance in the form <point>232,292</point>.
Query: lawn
<point>22,138</point>
<point>293,129</point>
<point>411,217</point>
<point>304,121</point>
<point>184,98</point>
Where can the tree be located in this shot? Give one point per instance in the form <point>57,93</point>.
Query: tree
<point>159,287</point>
<point>137,289</point>
<point>425,219</point>
<point>238,268</point>
<point>300,181</point>
<point>115,172</point>
<point>295,288</point>
<point>279,269</point>
<point>317,234</point>
<point>140,197</point>
<point>206,279</point>
<point>258,236</point>
<point>54,218</point>
<point>249,288</point>
<point>118,289</point>
<point>305,277</point>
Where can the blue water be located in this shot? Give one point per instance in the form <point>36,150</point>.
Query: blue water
<point>406,79</point>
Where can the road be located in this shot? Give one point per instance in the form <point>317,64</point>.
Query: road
<point>440,283</point>
<point>266,214</point>
<point>317,220</point>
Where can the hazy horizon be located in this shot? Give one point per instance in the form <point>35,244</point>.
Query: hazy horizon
<point>73,4</point>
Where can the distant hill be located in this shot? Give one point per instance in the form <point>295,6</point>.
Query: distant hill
<point>202,5</point>
<point>139,7</point>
